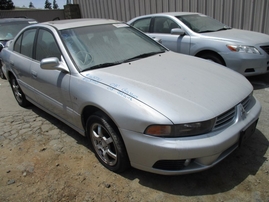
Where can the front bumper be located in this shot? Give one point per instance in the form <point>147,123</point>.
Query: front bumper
<point>188,154</point>
<point>247,64</point>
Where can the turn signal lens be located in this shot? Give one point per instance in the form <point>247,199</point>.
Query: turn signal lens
<point>243,49</point>
<point>158,130</point>
<point>181,130</point>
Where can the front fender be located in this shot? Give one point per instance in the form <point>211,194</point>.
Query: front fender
<point>123,108</point>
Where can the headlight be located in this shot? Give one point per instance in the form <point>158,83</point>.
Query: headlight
<point>243,49</point>
<point>180,130</point>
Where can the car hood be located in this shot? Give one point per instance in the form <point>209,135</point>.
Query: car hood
<point>181,87</point>
<point>239,36</point>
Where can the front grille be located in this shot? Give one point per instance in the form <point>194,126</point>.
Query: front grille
<point>246,102</point>
<point>265,48</point>
<point>169,164</point>
<point>225,118</point>
<point>228,117</point>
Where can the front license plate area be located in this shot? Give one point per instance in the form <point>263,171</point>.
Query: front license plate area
<point>245,134</point>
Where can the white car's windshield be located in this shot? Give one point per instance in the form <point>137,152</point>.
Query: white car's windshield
<point>202,23</point>
<point>9,30</point>
<point>100,46</point>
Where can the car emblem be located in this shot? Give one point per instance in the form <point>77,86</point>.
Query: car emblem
<point>243,112</point>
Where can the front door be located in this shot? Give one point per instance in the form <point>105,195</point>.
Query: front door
<point>52,86</point>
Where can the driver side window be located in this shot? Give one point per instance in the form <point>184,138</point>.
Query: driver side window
<point>46,46</point>
<point>164,25</point>
<point>142,24</point>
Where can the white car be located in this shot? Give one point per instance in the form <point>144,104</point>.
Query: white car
<point>138,103</point>
<point>199,35</point>
<point>9,27</point>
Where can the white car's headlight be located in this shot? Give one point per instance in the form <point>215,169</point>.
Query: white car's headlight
<point>243,49</point>
<point>180,130</point>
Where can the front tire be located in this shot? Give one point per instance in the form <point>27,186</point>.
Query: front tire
<point>18,94</point>
<point>107,143</point>
<point>213,57</point>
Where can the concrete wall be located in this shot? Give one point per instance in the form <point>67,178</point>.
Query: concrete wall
<point>40,15</point>
<point>242,14</point>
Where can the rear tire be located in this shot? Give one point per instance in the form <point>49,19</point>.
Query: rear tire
<point>107,143</point>
<point>1,72</point>
<point>18,94</point>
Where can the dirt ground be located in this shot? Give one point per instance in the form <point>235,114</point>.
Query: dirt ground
<point>42,159</point>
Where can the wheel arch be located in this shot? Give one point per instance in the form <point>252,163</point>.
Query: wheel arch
<point>91,110</point>
<point>10,74</point>
<point>205,52</point>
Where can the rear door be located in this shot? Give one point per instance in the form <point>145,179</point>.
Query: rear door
<point>21,60</point>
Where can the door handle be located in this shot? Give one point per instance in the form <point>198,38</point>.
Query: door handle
<point>34,74</point>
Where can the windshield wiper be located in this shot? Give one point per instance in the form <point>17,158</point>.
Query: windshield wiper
<point>206,31</point>
<point>223,28</point>
<point>109,64</point>
<point>144,55</point>
<point>103,65</point>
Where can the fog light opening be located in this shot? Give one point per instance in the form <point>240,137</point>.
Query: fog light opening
<point>187,162</point>
<point>250,70</point>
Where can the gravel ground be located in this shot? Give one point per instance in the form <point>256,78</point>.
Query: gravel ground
<point>42,159</point>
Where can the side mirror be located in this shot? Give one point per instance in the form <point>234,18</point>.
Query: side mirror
<point>178,31</point>
<point>53,63</point>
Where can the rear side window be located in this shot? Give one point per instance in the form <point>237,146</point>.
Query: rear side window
<point>142,24</point>
<point>24,44</point>
<point>17,45</point>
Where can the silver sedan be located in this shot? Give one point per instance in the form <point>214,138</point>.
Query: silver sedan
<point>139,104</point>
<point>199,35</point>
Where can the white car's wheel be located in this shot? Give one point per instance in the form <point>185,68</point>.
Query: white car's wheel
<point>1,72</point>
<point>18,94</point>
<point>107,144</point>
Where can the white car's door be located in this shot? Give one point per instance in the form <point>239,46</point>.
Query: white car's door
<point>21,60</point>
<point>168,40</point>
<point>162,27</point>
<point>176,43</point>
<point>52,86</point>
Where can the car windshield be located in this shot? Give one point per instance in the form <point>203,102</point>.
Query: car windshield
<point>202,23</point>
<point>9,30</point>
<point>102,46</point>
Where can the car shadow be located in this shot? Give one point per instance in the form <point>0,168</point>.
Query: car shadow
<point>80,139</point>
<point>223,177</point>
<point>260,81</point>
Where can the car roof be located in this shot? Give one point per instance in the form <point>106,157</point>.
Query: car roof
<point>64,24</point>
<point>22,19</point>
<point>171,14</point>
